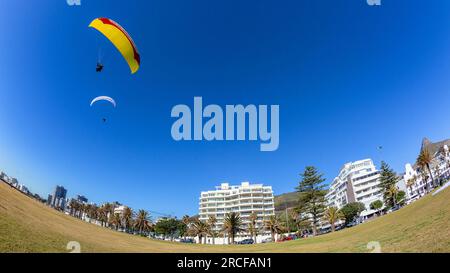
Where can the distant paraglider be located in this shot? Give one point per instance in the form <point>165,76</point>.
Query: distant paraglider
<point>103,98</point>
<point>121,40</point>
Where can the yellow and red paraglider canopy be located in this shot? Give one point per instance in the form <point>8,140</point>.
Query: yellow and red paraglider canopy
<point>121,40</point>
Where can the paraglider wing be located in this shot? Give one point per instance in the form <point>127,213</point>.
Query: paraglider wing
<point>104,98</point>
<point>121,40</point>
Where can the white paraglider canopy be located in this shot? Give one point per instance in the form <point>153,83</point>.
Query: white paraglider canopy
<point>103,98</point>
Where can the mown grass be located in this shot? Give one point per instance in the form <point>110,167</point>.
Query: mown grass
<point>28,226</point>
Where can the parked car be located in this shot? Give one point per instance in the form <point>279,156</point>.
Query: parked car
<point>286,238</point>
<point>187,241</point>
<point>267,240</point>
<point>246,242</point>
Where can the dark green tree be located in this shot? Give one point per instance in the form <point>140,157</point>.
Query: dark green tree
<point>311,196</point>
<point>168,227</point>
<point>388,179</point>
<point>351,211</point>
<point>376,205</point>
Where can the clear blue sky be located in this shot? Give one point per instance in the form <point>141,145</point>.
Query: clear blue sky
<point>348,77</point>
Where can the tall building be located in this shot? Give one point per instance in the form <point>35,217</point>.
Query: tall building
<point>244,199</point>
<point>59,197</point>
<point>357,182</point>
<point>81,199</point>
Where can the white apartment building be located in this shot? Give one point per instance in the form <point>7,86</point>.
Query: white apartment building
<point>357,182</point>
<point>414,177</point>
<point>244,199</point>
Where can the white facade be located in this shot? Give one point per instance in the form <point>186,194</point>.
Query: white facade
<point>357,182</point>
<point>119,210</point>
<point>416,186</point>
<point>244,199</point>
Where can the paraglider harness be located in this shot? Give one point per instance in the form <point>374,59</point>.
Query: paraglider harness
<point>99,67</point>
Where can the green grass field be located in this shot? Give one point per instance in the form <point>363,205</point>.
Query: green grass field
<point>28,226</point>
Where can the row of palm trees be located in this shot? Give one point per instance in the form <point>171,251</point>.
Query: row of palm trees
<point>127,220</point>
<point>233,226</point>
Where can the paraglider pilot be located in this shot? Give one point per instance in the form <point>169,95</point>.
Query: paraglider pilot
<point>99,67</point>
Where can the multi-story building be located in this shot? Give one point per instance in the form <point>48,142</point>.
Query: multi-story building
<point>59,197</point>
<point>418,181</point>
<point>244,199</point>
<point>357,182</point>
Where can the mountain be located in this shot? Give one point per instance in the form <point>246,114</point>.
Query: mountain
<point>286,200</point>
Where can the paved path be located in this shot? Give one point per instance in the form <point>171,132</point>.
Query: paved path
<point>442,188</point>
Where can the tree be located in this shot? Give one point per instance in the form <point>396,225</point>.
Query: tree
<point>424,160</point>
<point>411,182</point>
<point>401,198</point>
<point>376,205</point>
<point>102,215</point>
<point>200,229</point>
<point>127,218</point>
<point>142,222</point>
<point>273,224</point>
<point>167,227</point>
<point>252,228</point>
<point>109,210</point>
<point>232,225</point>
<point>391,195</point>
<point>311,196</point>
<point>115,221</point>
<point>388,178</point>
<point>212,221</point>
<point>74,206</point>
<point>332,215</point>
<point>351,211</point>
<point>184,229</point>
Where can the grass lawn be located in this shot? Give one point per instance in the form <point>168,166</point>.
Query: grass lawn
<point>28,226</point>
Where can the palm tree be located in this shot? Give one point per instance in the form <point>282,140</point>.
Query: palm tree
<point>109,210</point>
<point>232,225</point>
<point>253,229</point>
<point>92,212</point>
<point>102,215</point>
<point>127,218</point>
<point>115,221</point>
<point>83,211</point>
<point>392,193</point>
<point>411,182</point>
<point>186,220</point>
<point>200,229</point>
<point>273,224</point>
<point>212,221</point>
<point>332,215</point>
<point>73,204</point>
<point>424,160</point>
<point>142,222</point>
